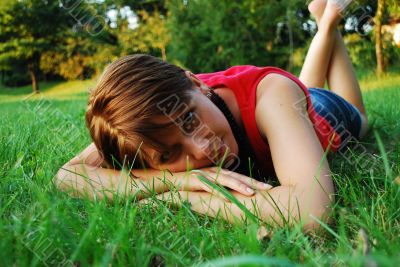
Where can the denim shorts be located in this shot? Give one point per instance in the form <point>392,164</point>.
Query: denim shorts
<point>341,115</point>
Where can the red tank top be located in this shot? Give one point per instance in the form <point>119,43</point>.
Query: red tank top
<point>243,81</point>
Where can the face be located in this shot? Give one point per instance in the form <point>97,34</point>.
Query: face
<point>199,136</point>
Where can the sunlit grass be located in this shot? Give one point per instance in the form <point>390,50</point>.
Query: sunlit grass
<point>372,83</point>
<point>50,90</point>
<point>42,226</point>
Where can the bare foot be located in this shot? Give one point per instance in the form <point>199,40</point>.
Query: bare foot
<point>333,12</point>
<point>316,8</point>
<point>341,5</point>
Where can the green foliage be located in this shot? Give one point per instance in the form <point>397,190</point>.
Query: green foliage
<point>361,51</point>
<point>152,33</point>
<point>213,35</point>
<point>17,76</point>
<point>28,28</point>
<point>72,60</point>
<point>150,36</point>
<point>202,35</point>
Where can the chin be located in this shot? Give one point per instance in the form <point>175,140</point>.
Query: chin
<point>233,146</point>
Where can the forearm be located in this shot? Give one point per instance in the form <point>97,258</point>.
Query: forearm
<point>279,206</point>
<point>85,174</point>
<point>91,181</point>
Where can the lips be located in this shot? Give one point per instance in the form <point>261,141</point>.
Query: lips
<point>221,151</point>
<point>217,151</point>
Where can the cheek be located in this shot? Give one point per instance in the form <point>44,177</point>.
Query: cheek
<point>177,166</point>
<point>183,165</point>
<point>216,122</point>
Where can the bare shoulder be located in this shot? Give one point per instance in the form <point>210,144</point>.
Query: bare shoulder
<point>275,92</point>
<point>275,83</point>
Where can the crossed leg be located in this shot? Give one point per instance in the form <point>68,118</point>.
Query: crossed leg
<point>327,58</point>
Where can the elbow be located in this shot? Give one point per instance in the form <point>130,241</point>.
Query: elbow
<point>320,213</point>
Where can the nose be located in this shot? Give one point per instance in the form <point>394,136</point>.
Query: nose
<point>205,151</point>
<point>197,150</point>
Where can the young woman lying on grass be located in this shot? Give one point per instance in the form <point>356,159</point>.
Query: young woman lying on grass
<point>151,116</point>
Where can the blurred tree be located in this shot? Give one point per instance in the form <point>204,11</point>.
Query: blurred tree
<point>368,42</point>
<point>28,28</point>
<point>149,6</point>
<point>148,35</point>
<point>72,59</point>
<point>58,39</point>
<point>210,35</point>
<point>380,67</point>
<point>152,33</point>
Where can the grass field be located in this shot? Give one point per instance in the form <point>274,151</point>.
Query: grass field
<point>40,226</point>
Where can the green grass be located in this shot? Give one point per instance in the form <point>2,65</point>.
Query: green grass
<point>42,226</point>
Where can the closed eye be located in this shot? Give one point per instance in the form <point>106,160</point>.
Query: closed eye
<point>170,155</point>
<point>165,157</point>
<point>190,122</point>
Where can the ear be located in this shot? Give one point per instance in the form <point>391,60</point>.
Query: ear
<point>197,82</point>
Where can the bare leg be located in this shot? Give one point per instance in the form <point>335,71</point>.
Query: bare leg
<point>327,59</point>
<point>317,61</point>
<point>341,75</point>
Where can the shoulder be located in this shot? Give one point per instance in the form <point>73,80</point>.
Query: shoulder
<point>278,94</point>
<point>278,85</point>
<point>295,148</point>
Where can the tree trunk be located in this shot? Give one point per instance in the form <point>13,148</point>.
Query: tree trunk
<point>33,74</point>
<point>380,65</point>
<point>164,53</point>
<point>289,24</point>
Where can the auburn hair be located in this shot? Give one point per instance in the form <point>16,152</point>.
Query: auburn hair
<point>124,101</point>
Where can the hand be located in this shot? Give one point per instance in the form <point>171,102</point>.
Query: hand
<point>222,177</point>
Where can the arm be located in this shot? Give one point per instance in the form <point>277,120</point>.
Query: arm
<point>86,174</point>
<point>306,189</point>
<point>306,185</point>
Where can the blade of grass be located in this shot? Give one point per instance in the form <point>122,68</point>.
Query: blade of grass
<point>230,197</point>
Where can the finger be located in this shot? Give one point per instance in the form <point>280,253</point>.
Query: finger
<point>252,183</point>
<point>223,178</point>
<point>229,179</point>
<point>232,180</point>
<point>209,175</point>
<point>208,188</point>
<point>200,184</point>
<point>237,185</point>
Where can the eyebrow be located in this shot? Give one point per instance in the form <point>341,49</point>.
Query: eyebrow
<point>189,107</point>
<point>154,157</point>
